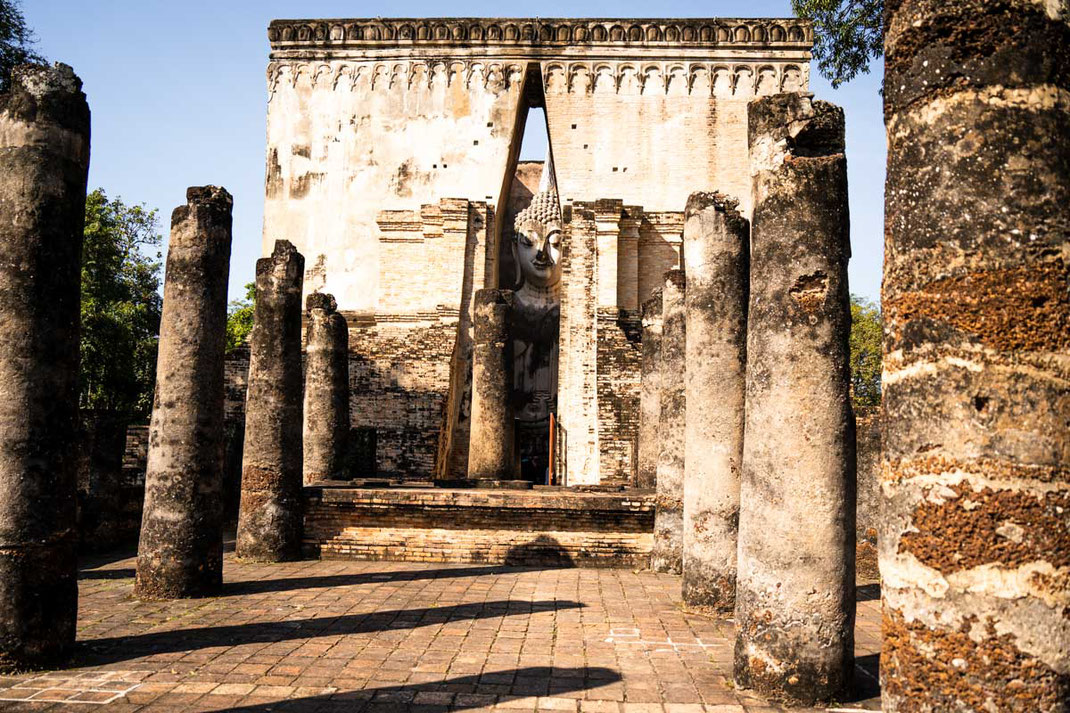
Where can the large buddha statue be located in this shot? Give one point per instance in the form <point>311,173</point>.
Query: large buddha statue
<point>537,306</point>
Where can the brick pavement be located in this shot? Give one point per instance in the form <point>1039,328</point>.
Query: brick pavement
<point>383,636</point>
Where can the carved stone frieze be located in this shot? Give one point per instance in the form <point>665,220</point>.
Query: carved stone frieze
<point>559,77</point>
<point>391,32</point>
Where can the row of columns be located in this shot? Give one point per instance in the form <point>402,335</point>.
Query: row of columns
<point>974,526</point>
<point>44,159</point>
<point>755,469</point>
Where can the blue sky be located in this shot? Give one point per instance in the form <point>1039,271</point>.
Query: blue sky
<point>178,95</point>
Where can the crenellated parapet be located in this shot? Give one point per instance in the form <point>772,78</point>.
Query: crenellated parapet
<point>775,33</point>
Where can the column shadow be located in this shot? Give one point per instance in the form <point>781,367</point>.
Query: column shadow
<point>444,695</point>
<point>97,652</point>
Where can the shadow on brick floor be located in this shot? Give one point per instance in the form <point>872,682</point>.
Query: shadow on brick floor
<point>111,650</point>
<point>449,695</point>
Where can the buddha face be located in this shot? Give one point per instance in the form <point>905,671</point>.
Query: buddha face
<point>538,253</point>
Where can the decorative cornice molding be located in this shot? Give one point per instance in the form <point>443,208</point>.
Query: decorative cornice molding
<point>635,77</point>
<point>386,33</point>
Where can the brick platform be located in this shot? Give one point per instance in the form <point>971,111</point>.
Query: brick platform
<point>535,527</point>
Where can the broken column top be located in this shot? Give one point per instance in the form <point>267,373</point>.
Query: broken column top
<point>207,205</point>
<point>41,94</point>
<point>493,296</point>
<point>321,300</point>
<point>793,124</point>
<point>208,201</point>
<point>704,199</point>
<point>284,262</point>
<point>209,194</point>
<point>675,278</point>
<point>652,307</point>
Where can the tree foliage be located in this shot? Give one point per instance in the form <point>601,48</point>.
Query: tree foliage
<point>16,41</point>
<point>121,305</point>
<point>848,34</point>
<point>240,318</point>
<point>865,352</point>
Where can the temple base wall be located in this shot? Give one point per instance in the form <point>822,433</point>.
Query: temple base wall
<point>540,527</point>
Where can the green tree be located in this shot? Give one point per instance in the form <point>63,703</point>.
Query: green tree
<point>121,306</point>
<point>865,352</point>
<point>16,41</point>
<point>240,318</point>
<point>848,34</point>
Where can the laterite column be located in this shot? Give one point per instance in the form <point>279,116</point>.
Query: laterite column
<point>795,592</point>
<point>975,518</point>
<point>650,392</point>
<point>44,158</point>
<point>490,450</point>
<point>326,390</point>
<point>180,553</point>
<point>269,517</point>
<point>667,553</point>
<point>716,255</point>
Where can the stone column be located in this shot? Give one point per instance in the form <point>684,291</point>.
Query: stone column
<point>269,516</point>
<point>795,593</point>
<point>44,157</point>
<point>650,392</point>
<point>975,520</point>
<point>326,390</point>
<point>490,452</point>
<point>667,553</point>
<point>716,255</point>
<point>180,553</point>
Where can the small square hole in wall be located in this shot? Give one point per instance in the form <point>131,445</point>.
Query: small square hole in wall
<point>573,126</point>
<point>434,165</point>
<point>476,142</point>
<point>490,124</point>
<point>445,166</point>
<point>585,146</point>
<point>614,169</point>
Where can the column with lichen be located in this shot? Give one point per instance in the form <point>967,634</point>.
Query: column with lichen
<point>975,519</point>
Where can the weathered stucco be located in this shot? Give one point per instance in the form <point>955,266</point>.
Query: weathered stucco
<point>372,115</point>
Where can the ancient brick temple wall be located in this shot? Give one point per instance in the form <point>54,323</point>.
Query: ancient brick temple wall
<point>493,527</point>
<point>614,256</point>
<point>399,378</point>
<point>235,384</point>
<point>868,460</point>
<point>618,383</point>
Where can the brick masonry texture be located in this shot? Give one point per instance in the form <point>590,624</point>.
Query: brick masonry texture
<point>544,526</point>
<point>370,637</point>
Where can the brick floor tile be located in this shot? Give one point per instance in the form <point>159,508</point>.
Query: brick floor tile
<point>388,638</point>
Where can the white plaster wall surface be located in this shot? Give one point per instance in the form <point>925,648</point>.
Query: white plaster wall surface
<point>373,115</point>
<point>349,140</point>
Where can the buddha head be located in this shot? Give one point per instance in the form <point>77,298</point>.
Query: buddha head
<point>537,248</point>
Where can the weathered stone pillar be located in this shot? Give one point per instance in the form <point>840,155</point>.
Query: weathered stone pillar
<point>269,516</point>
<point>490,452</point>
<point>180,553</point>
<point>716,255</point>
<point>44,157</point>
<point>326,390</point>
<point>975,520</point>
<point>650,392</point>
<point>667,553</point>
<point>795,593</point>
